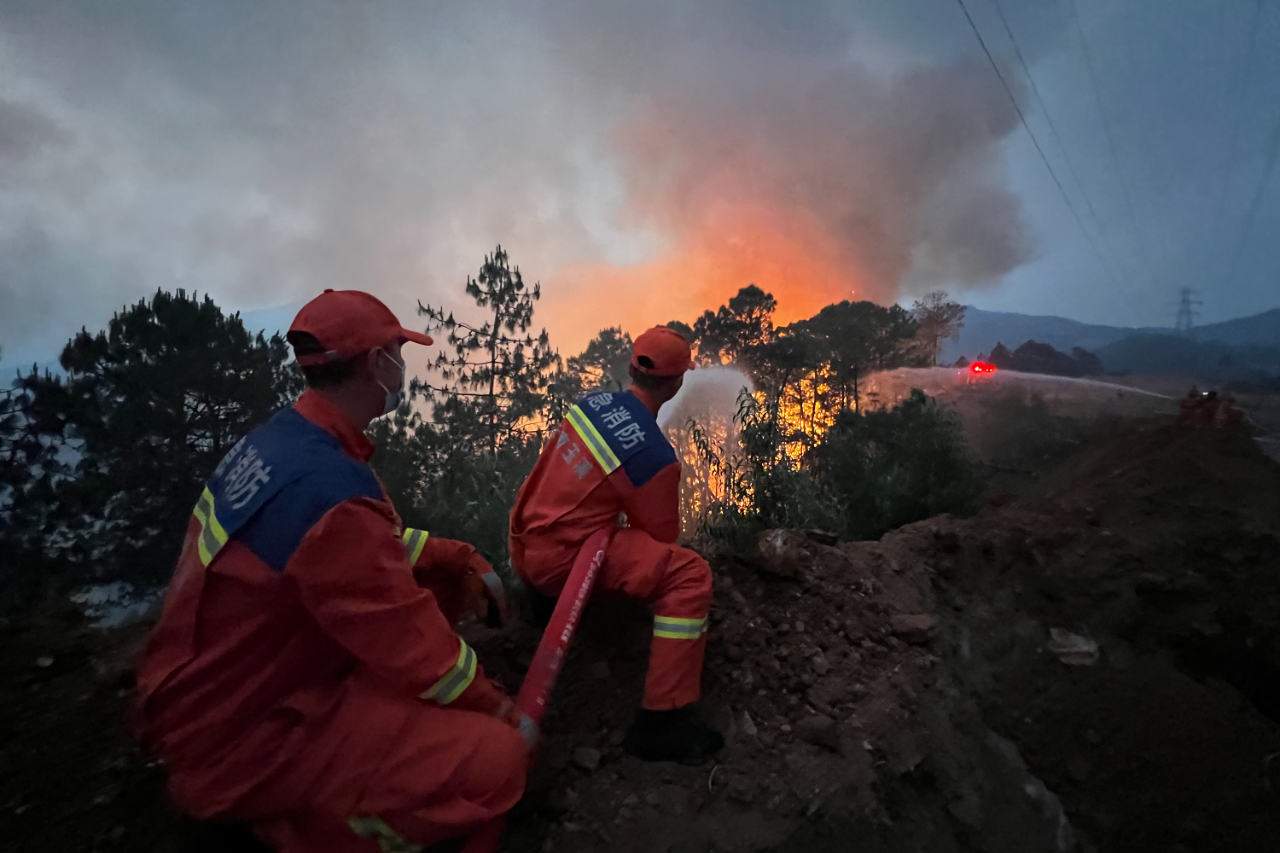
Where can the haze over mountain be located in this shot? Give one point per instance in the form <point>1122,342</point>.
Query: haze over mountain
<point>984,329</point>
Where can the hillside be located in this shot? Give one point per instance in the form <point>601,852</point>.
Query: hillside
<point>1259,330</point>
<point>1234,349</point>
<point>1207,360</point>
<point>984,329</point>
<point>905,692</point>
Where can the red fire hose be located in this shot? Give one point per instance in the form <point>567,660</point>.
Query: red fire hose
<point>545,668</point>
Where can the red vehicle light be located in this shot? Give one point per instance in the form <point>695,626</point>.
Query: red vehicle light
<point>982,367</point>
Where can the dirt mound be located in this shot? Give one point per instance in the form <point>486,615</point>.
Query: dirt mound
<point>1164,548</point>
<point>869,722</point>
<point>820,670</point>
<point>889,696</point>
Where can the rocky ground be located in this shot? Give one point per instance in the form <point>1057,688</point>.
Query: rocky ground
<point>900,695</point>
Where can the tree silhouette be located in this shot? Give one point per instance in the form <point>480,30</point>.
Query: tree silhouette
<point>144,413</point>
<point>853,338</point>
<point>492,382</point>
<point>1001,357</point>
<point>745,322</point>
<point>603,364</point>
<point>938,319</point>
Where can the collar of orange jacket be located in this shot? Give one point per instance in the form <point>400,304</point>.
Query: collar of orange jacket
<point>318,409</point>
<point>650,402</point>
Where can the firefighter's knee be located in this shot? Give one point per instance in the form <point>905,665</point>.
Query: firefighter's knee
<point>687,585</point>
<point>498,769</point>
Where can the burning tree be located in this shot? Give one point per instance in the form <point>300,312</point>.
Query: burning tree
<point>853,338</point>
<point>812,369</point>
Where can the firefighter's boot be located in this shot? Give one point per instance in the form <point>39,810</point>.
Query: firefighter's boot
<point>675,735</point>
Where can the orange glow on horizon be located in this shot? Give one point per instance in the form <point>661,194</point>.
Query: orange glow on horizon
<point>735,209</point>
<point>785,255</point>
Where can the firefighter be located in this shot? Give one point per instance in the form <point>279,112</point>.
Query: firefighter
<point>299,678</point>
<point>465,586</point>
<point>610,458</point>
<point>1189,405</point>
<point>1207,411</point>
<point>1232,417</point>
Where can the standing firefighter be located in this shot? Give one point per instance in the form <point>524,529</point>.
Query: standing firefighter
<point>609,457</point>
<point>299,677</point>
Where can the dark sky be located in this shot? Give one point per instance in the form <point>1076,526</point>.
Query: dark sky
<point>642,159</point>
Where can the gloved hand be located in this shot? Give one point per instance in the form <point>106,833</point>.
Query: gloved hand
<point>497,611</point>
<point>520,721</point>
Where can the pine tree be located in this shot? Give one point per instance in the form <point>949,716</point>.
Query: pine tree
<point>1001,357</point>
<point>603,364</point>
<point>747,321</point>
<point>147,408</point>
<point>492,383</point>
<point>851,339</point>
<point>938,319</point>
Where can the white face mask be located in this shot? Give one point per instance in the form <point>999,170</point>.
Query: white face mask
<point>394,396</point>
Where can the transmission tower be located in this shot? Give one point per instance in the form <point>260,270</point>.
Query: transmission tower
<point>1187,310</point>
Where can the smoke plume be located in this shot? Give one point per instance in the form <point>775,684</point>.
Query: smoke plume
<point>644,160</point>
<point>816,179</point>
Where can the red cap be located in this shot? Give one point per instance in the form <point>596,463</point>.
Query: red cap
<point>661,352</point>
<point>347,323</point>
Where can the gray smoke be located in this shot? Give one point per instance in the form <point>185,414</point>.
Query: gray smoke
<point>643,159</point>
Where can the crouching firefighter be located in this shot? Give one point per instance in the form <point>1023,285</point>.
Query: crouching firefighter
<point>465,586</point>
<point>300,678</point>
<point>608,458</point>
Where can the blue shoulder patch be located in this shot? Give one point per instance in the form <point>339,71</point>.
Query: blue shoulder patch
<point>631,431</point>
<point>280,480</point>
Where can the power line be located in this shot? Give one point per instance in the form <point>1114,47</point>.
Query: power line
<point>1053,129</point>
<point>1111,143</point>
<point>1009,92</point>
<point>1256,204</point>
<point>1242,86</point>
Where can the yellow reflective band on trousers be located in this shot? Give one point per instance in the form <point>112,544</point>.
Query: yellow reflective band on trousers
<point>212,536</point>
<point>592,439</point>
<point>677,628</point>
<point>414,541</point>
<point>456,680</point>
<point>388,839</point>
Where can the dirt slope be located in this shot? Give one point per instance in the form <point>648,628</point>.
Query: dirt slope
<point>1166,549</point>
<point>886,696</point>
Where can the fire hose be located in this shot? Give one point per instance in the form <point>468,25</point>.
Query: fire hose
<point>540,680</point>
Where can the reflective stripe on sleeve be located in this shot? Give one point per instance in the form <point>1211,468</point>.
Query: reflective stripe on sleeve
<point>593,440</point>
<point>414,541</point>
<point>456,680</point>
<point>389,840</point>
<point>677,628</point>
<point>212,536</point>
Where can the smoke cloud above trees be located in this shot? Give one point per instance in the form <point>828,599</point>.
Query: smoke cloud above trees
<point>642,159</point>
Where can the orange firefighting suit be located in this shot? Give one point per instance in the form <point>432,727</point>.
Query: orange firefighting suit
<point>607,458</point>
<point>462,581</point>
<point>300,679</point>
<point>1189,406</point>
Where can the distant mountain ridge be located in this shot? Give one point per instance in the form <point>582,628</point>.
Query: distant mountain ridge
<point>984,329</point>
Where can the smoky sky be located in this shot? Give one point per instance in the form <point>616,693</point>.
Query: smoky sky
<point>642,160</point>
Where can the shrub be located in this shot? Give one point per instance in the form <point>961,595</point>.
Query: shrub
<point>871,472</point>
<point>895,466</point>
